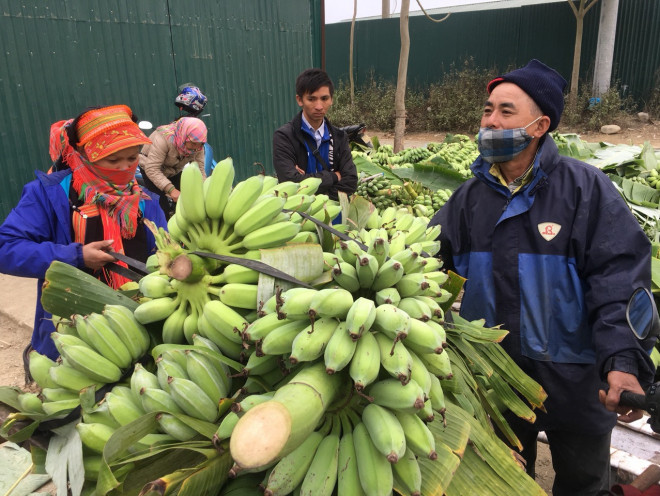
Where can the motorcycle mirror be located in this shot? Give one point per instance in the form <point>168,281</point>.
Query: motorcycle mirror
<point>145,125</point>
<point>642,314</point>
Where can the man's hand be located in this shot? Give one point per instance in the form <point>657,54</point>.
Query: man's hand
<point>338,175</point>
<point>95,254</point>
<point>619,382</point>
<point>300,171</point>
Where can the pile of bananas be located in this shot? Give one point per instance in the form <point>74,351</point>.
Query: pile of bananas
<point>213,217</point>
<point>433,201</point>
<point>459,152</point>
<point>653,178</point>
<point>380,191</point>
<point>95,350</point>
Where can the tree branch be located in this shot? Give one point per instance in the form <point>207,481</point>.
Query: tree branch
<point>431,18</point>
<point>575,12</point>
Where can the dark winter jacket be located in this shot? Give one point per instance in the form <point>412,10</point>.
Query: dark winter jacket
<point>38,231</point>
<point>289,150</point>
<point>555,264</point>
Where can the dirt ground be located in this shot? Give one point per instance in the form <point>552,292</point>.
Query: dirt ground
<point>15,335</point>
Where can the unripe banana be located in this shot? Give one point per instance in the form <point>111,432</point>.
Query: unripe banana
<point>387,296</point>
<point>434,307</point>
<point>192,193</point>
<point>174,427</point>
<point>407,258</point>
<point>379,248</point>
<point>106,341</point>
<point>309,185</point>
<point>366,267</point>
<point>173,326</point>
<point>309,343</point>
<point>412,284</point>
<point>423,338</point>
<point>228,347</point>
<point>321,475</point>
<point>285,189</point>
<point>156,285</point>
<point>30,403</point>
<point>238,273</point>
<point>290,471</point>
<point>124,411</point>
<point>349,251</point>
<point>339,350</point>
<point>259,215</point>
<point>426,412</point>
<point>155,310</point>
<point>296,303</point>
<point>89,362</point>
<point>59,408</point>
<point>39,366</point>
<point>226,427</point>
<point>388,216</point>
<point>241,198</point>
<point>258,329</point>
<point>419,437</point>
<point>348,478</point>
<point>408,474</point>
<point>133,334</point>
<point>392,322</point>
<point>168,368</point>
<point>204,373</point>
<point>65,376</point>
<point>397,242</point>
<point>432,264</point>
<point>437,276</point>
<point>299,202</point>
<point>360,317</point>
<point>333,302</point>
<point>250,401</point>
<point>388,275</point>
<point>259,365</point>
<point>94,436</point>
<point>373,468</point>
<point>416,308</point>
<point>392,394</point>
<point>417,230</point>
<point>432,233</point>
<point>193,400</point>
<point>225,320</point>
<point>157,400</point>
<point>99,414</point>
<point>239,295</point>
<point>270,236</point>
<point>365,363</point>
<point>142,378</point>
<point>346,276</point>
<point>281,339</point>
<point>219,188</point>
<point>394,358</point>
<point>385,431</point>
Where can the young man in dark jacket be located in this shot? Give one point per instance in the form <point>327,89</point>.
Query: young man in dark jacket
<point>309,146</point>
<point>552,253</point>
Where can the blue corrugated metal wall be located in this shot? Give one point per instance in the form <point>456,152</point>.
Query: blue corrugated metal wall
<point>60,57</point>
<point>501,38</point>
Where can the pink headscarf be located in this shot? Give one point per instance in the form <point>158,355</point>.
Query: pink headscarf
<point>183,130</point>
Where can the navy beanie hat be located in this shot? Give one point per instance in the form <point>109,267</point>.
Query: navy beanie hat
<point>543,84</point>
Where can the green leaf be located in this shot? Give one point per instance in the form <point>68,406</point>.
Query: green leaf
<point>368,168</point>
<point>209,477</point>
<point>435,174</point>
<point>359,211</point>
<point>64,459</point>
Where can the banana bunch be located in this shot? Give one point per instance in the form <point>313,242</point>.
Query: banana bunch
<point>95,349</point>
<point>653,178</point>
<point>458,151</point>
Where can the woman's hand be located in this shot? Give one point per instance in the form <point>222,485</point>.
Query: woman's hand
<point>174,194</point>
<point>95,254</point>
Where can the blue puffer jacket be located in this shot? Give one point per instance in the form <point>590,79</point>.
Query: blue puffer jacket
<point>555,264</point>
<point>38,231</point>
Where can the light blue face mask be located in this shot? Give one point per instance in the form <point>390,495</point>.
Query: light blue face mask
<point>502,145</point>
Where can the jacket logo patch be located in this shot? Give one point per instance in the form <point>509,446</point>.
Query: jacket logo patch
<point>549,230</point>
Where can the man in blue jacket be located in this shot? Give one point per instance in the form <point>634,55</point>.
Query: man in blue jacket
<point>552,253</point>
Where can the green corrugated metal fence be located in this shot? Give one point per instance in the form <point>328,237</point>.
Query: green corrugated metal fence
<point>501,38</point>
<point>60,57</point>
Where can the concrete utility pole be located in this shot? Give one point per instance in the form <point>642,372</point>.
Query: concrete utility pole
<point>605,49</point>
<point>386,9</point>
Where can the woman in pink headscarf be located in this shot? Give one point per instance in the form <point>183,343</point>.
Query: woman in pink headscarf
<point>172,147</point>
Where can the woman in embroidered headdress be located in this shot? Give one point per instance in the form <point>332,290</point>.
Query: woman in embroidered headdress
<point>172,147</point>
<point>80,213</point>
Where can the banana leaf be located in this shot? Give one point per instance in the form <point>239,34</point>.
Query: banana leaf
<point>64,459</point>
<point>637,193</point>
<point>366,166</point>
<point>570,145</point>
<point>434,174</point>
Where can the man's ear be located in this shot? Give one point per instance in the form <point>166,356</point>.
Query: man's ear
<point>299,100</point>
<point>541,126</point>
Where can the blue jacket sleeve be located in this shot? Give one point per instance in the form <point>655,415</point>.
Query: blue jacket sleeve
<point>32,236</point>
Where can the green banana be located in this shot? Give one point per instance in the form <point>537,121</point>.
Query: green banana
<point>426,412</point>
<point>64,375</point>
<point>89,362</point>
<point>433,305</point>
<point>192,193</point>
<point>388,295</point>
<point>389,274</point>
<point>360,317</point>
<point>321,475</point>
<point>290,471</point>
<point>239,295</point>
<point>438,364</point>
<point>94,436</point>
<point>374,470</point>
<point>157,400</point>
<point>395,358</point>
<point>193,400</point>
<point>339,350</point>
<point>437,396</point>
<point>241,198</point>
<point>296,303</point>
<point>310,343</point>
<point>270,236</point>
<point>204,373</point>
<point>133,334</point>
<point>281,339</point>
<point>228,347</point>
<point>104,340</point>
<point>99,414</point>
<point>349,251</point>
<point>392,322</point>
<point>259,215</point>
<point>309,185</point>
<point>385,431</point>
<point>366,267</point>
<point>416,308</point>
<point>258,365</point>
<point>168,368</point>
<point>171,425</point>
<point>332,302</point>
<point>412,284</point>
<point>299,202</point>
<point>59,393</point>
<point>408,474</point>
<point>379,248</point>
<point>226,427</point>
<point>419,437</point>
<point>39,366</point>
<point>258,329</point>
<point>348,478</point>
<point>345,275</point>
<point>365,363</point>
<point>59,408</point>
<point>155,310</point>
<point>219,188</point>
<point>392,394</point>
<point>30,403</point>
<point>142,378</point>
<point>225,320</point>
<point>173,326</point>
<point>423,338</point>
<point>238,273</point>
<point>123,410</point>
